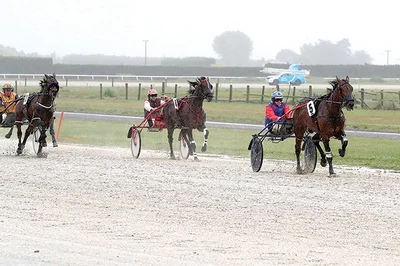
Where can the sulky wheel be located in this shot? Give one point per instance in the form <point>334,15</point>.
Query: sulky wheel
<point>256,154</point>
<point>35,139</point>
<point>184,145</point>
<point>310,155</point>
<point>136,143</point>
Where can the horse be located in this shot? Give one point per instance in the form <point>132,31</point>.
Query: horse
<point>187,114</point>
<point>38,110</point>
<point>324,117</point>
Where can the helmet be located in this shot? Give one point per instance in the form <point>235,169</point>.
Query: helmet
<point>277,95</point>
<point>151,92</point>
<point>8,86</point>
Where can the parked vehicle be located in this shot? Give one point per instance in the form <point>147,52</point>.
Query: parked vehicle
<point>286,78</point>
<point>292,75</point>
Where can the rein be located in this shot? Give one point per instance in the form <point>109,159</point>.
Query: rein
<point>330,101</point>
<point>11,103</point>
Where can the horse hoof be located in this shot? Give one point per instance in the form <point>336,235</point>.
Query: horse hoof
<point>42,155</point>
<point>332,175</point>
<point>19,151</point>
<point>172,157</point>
<point>55,144</point>
<point>342,152</point>
<point>8,135</point>
<point>204,148</point>
<point>300,171</point>
<point>323,163</point>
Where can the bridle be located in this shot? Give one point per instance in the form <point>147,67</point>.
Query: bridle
<point>202,82</point>
<point>50,92</point>
<point>339,86</point>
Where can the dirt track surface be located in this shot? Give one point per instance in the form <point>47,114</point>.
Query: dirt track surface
<point>98,206</point>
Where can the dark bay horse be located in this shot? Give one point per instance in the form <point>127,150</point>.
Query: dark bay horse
<point>187,114</point>
<point>38,110</point>
<point>324,117</point>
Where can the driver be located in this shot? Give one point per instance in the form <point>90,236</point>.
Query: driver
<point>8,97</point>
<point>276,110</point>
<point>152,103</point>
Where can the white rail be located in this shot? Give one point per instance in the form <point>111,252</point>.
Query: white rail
<point>113,77</point>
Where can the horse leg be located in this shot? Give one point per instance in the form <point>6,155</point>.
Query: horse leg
<point>42,138</point>
<point>344,141</point>
<point>192,144</point>
<point>21,145</point>
<point>316,140</point>
<point>8,135</point>
<point>53,135</point>
<point>205,133</point>
<point>298,150</point>
<point>19,135</point>
<point>328,155</point>
<point>170,136</point>
<point>184,133</point>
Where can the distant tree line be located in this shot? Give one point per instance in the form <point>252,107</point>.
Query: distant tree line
<point>234,48</point>
<point>38,65</point>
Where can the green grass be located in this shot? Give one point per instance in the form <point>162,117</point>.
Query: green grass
<point>239,112</point>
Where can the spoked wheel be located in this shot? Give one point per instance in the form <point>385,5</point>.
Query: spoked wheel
<point>256,154</point>
<point>310,155</point>
<point>35,139</point>
<point>184,146</point>
<point>136,143</point>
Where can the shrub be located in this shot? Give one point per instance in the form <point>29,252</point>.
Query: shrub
<point>109,93</point>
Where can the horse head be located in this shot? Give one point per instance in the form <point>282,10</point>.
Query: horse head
<point>203,88</point>
<point>49,85</point>
<point>344,92</point>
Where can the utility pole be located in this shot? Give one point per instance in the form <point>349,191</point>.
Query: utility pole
<point>387,56</point>
<point>145,52</point>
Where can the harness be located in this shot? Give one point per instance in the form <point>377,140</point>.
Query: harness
<point>198,115</point>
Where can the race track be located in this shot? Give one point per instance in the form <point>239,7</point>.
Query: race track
<point>98,206</point>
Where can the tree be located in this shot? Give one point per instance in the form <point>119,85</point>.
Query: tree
<point>327,53</point>
<point>361,57</point>
<point>288,56</point>
<point>234,48</point>
<point>8,51</point>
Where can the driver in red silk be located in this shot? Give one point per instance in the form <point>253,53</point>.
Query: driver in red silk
<point>277,109</point>
<point>152,103</point>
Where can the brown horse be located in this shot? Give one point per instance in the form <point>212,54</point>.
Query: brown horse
<point>324,117</point>
<point>187,114</point>
<point>38,110</point>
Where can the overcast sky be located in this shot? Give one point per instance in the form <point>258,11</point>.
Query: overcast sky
<point>180,28</point>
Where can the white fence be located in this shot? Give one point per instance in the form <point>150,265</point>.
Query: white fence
<point>117,77</point>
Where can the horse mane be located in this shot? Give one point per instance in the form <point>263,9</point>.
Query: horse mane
<point>42,84</point>
<point>47,82</point>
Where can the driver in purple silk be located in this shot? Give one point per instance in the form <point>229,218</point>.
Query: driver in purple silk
<point>277,110</point>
